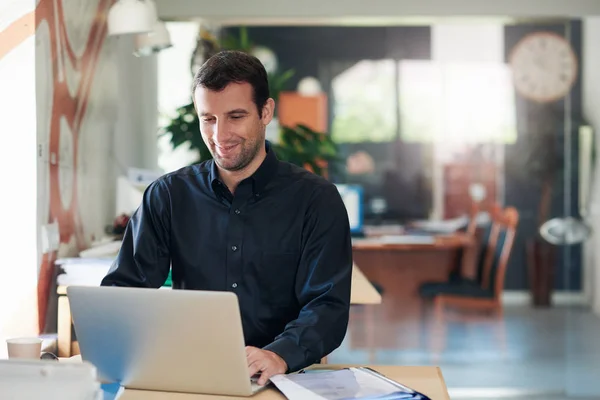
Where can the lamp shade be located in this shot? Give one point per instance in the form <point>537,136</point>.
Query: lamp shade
<point>565,231</point>
<point>131,17</point>
<point>153,42</point>
<point>309,86</point>
<point>267,57</point>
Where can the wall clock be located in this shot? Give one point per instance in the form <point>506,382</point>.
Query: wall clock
<point>544,66</point>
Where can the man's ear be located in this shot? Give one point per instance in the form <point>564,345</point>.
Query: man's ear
<point>268,111</point>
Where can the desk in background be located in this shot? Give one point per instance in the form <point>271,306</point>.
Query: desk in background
<point>402,265</point>
<point>362,293</point>
<point>399,265</point>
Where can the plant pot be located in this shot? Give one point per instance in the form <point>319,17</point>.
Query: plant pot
<point>541,257</point>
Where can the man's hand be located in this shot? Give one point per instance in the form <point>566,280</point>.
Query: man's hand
<point>266,362</point>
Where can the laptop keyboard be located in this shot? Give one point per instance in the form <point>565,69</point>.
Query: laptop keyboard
<point>254,384</point>
<point>255,387</point>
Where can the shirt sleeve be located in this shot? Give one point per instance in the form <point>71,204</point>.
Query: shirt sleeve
<point>323,283</point>
<point>144,258</point>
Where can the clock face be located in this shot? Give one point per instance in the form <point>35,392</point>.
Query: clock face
<point>544,66</point>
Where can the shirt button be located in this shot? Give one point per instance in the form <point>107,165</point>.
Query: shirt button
<point>234,285</point>
<point>234,248</point>
<point>237,212</point>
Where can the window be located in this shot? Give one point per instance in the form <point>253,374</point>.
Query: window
<point>174,83</point>
<point>456,103</point>
<point>364,106</point>
<point>459,103</point>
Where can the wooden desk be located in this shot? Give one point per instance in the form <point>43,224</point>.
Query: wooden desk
<point>399,269</point>
<point>362,293</point>
<point>404,266</point>
<point>441,242</point>
<point>427,380</point>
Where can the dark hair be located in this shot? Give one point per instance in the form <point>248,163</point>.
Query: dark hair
<point>230,66</point>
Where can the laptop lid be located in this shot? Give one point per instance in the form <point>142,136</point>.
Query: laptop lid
<point>161,339</point>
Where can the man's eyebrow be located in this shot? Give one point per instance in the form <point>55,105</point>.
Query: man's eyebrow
<point>237,111</point>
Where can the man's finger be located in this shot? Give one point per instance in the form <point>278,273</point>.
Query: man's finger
<point>255,367</point>
<point>265,376</point>
<point>255,362</point>
<point>250,350</point>
<point>253,357</point>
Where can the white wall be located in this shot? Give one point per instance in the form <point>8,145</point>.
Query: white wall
<point>68,129</point>
<point>591,109</point>
<point>135,136</point>
<point>18,235</point>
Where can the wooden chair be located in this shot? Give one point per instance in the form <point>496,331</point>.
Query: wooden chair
<point>472,226</point>
<point>485,292</point>
<point>467,255</point>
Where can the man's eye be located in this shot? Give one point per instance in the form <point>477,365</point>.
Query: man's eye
<point>207,119</point>
<point>237,116</point>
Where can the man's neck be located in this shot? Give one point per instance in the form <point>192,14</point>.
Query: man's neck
<point>232,179</point>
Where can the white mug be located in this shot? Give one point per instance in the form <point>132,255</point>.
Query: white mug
<point>25,347</point>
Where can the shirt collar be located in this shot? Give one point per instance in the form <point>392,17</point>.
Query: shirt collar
<point>261,176</point>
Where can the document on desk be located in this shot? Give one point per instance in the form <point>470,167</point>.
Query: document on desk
<point>343,384</point>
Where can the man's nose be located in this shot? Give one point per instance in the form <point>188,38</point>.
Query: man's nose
<point>221,133</point>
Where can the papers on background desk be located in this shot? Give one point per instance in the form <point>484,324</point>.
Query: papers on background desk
<point>351,383</point>
<point>449,226</point>
<point>396,239</point>
<point>407,239</point>
<point>82,271</point>
<point>444,226</point>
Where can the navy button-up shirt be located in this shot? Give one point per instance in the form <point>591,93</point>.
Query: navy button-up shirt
<point>281,242</point>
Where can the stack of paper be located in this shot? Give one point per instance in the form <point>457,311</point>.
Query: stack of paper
<point>407,239</point>
<point>83,271</point>
<point>48,380</point>
<point>351,383</point>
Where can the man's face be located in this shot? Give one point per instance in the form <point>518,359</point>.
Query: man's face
<point>230,124</point>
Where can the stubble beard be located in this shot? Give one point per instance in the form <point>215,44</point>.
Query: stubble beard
<point>248,152</point>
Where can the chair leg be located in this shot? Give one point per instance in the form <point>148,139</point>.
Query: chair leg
<point>424,322</point>
<point>64,327</point>
<point>438,334</point>
<point>500,327</point>
<point>371,340</point>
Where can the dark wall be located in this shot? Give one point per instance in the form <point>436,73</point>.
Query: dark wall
<point>325,52</point>
<point>540,148</point>
<point>308,49</point>
<point>318,51</point>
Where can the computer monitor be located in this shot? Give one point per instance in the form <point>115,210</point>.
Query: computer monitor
<point>352,195</point>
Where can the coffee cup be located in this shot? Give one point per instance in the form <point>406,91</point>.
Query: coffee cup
<point>24,347</point>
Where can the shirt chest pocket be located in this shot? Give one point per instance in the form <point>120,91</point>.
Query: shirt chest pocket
<point>276,277</point>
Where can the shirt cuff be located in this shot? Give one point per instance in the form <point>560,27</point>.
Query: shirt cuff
<point>290,352</point>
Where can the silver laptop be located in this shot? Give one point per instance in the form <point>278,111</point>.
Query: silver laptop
<point>162,339</point>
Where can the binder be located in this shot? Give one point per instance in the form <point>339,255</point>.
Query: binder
<point>345,384</point>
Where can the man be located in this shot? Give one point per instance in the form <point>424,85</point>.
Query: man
<point>273,233</point>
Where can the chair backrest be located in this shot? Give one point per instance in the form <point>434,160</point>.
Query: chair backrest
<point>472,226</point>
<point>498,248</point>
<point>484,236</point>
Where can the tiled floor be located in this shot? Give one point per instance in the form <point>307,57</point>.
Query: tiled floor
<point>535,353</point>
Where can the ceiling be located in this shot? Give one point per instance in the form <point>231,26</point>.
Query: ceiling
<point>372,12</point>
